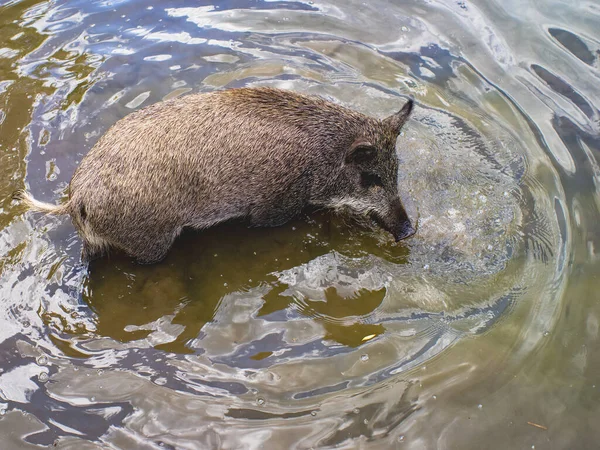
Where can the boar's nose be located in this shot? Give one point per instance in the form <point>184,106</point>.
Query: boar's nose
<point>404,230</point>
<point>402,226</point>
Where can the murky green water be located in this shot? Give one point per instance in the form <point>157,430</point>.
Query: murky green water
<point>479,332</point>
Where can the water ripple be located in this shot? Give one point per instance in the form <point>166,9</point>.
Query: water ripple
<point>319,333</point>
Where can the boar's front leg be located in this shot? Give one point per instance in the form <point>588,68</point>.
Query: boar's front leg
<point>271,216</point>
<point>278,208</point>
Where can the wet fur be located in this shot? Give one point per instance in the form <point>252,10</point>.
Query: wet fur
<point>258,154</point>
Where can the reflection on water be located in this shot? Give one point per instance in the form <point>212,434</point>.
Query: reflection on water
<point>481,331</point>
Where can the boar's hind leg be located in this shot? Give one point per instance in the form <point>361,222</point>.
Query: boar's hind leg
<point>149,248</point>
<point>89,252</point>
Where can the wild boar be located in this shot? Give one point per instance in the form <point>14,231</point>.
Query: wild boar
<point>257,154</point>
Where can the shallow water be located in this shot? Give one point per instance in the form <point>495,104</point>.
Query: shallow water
<point>481,331</point>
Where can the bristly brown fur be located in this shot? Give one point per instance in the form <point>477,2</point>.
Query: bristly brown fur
<point>261,154</point>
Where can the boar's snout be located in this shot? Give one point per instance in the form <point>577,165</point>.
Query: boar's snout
<point>397,221</point>
<point>404,230</point>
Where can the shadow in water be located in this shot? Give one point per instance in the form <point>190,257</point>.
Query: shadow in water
<point>204,267</point>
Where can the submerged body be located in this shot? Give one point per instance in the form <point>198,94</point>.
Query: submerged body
<point>260,154</point>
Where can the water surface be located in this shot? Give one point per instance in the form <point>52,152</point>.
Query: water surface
<point>481,331</point>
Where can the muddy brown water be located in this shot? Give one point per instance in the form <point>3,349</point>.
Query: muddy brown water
<point>481,331</point>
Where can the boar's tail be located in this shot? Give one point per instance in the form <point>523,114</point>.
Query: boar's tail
<point>35,205</point>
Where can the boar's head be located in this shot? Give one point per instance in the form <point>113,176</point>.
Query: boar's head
<point>369,179</point>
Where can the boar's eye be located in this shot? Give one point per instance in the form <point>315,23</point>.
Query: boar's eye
<point>368,180</point>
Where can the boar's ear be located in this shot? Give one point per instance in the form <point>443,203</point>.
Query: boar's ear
<point>395,121</point>
<point>360,152</point>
